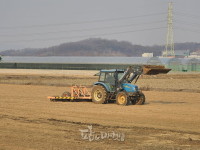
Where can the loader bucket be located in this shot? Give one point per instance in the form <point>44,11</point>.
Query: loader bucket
<point>154,70</point>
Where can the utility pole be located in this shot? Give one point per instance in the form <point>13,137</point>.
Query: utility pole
<point>169,47</point>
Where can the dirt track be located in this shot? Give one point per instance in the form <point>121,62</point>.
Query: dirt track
<point>169,120</point>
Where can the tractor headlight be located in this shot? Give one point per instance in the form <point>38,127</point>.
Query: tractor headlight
<point>135,88</point>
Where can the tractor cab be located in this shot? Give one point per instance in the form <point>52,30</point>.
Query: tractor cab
<point>109,78</point>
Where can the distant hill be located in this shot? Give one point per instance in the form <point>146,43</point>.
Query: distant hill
<point>98,47</point>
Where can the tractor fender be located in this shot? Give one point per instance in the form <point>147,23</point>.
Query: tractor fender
<point>104,85</point>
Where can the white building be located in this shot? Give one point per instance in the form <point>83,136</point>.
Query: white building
<point>194,55</point>
<point>147,55</point>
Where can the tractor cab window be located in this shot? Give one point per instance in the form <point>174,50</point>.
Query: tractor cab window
<point>120,74</point>
<point>107,77</point>
<point>110,78</point>
<point>102,77</point>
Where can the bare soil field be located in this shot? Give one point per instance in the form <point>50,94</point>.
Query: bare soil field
<point>28,120</point>
<point>186,82</point>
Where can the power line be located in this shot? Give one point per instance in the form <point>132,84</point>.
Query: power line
<point>186,29</point>
<point>82,30</point>
<point>179,21</point>
<point>83,22</point>
<point>186,23</point>
<point>186,14</point>
<point>95,35</point>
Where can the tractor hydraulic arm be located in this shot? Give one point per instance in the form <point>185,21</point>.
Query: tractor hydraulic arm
<point>130,74</point>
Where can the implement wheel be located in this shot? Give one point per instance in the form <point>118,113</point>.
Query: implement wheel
<point>140,99</point>
<point>99,94</point>
<point>122,99</point>
<point>66,94</point>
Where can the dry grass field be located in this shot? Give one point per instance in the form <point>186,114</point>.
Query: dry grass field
<point>169,120</point>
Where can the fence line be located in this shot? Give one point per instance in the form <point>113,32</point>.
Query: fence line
<point>67,66</point>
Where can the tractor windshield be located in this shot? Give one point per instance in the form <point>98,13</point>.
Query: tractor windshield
<point>120,74</point>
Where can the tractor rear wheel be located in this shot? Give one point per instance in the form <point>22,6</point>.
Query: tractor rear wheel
<point>140,99</point>
<point>122,99</point>
<point>99,94</point>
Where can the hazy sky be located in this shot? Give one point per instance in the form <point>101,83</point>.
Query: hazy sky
<point>45,23</point>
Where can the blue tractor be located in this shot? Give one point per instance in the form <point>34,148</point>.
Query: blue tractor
<point>116,85</point>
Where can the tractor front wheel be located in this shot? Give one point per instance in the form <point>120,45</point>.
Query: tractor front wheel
<point>122,99</point>
<point>99,94</point>
<point>140,99</point>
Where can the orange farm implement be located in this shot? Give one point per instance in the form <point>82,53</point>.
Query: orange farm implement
<point>76,92</point>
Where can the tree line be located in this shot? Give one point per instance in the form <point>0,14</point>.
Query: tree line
<point>99,47</point>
